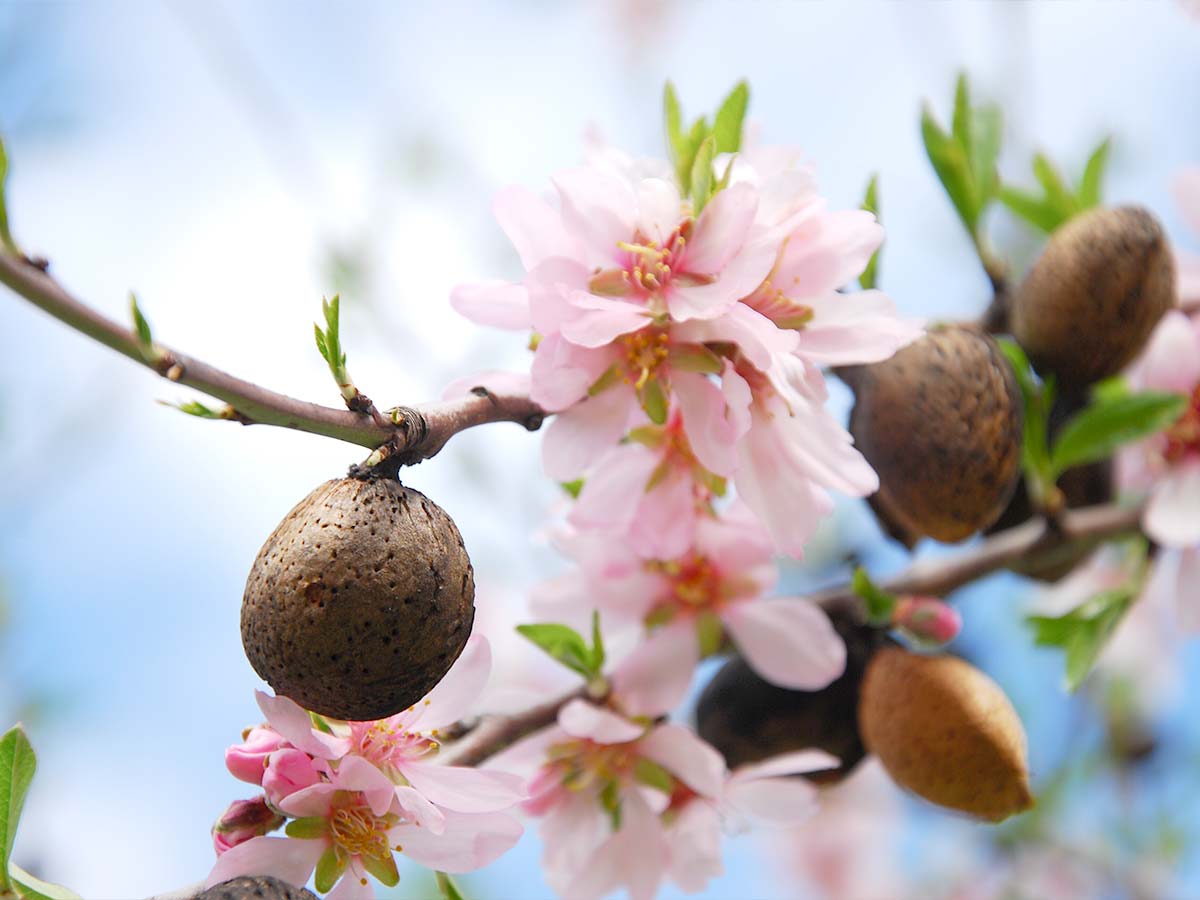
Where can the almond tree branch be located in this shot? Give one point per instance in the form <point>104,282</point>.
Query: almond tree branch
<point>411,434</point>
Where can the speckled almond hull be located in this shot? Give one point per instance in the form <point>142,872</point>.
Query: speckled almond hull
<point>1089,303</point>
<point>360,601</point>
<point>941,423</point>
<point>946,732</point>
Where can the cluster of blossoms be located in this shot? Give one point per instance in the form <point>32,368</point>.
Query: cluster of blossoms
<point>359,792</point>
<point>679,342</point>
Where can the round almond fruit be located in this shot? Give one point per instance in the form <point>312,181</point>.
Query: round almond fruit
<point>1089,303</point>
<point>748,719</point>
<point>946,732</point>
<point>941,423</point>
<point>360,601</point>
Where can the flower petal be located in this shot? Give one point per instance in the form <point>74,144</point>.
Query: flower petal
<point>582,719</point>
<point>357,774</point>
<point>756,336</point>
<point>861,327</point>
<point>744,273</point>
<point>798,762</point>
<point>500,304</point>
<point>826,252</point>
<point>712,431</point>
<point>353,885</point>
<point>419,810</point>
<point>289,859</point>
<point>580,436</point>
<point>470,841</point>
<point>291,721</point>
<point>635,857</point>
<point>464,789</point>
<point>721,230</point>
<point>597,208</point>
<point>608,500</point>
<point>788,641</point>
<point>562,372</point>
<point>494,380</point>
<point>655,677</point>
<point>1171,360</point>
<point>695,842</point>
<point>533,225</point>
<point>773,801</point>
<point>658,208</point>
<point>1173,515</point>
<point>602,320</point>
<point>451,698</point>
<point>678,750</point>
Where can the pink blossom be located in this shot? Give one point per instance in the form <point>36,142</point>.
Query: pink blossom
<point>600,781</point>
<point>1169,463</point>
<point>928,620</point>
<point>248,760</point>
<point>243,820</point>
<point>288,770</point>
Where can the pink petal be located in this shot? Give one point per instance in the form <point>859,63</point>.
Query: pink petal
<point>861,327</point>
<point>826,252</point>
<point>796,763</point>
<point>418,810</point>
<point>721,230</point>
<point>666,517</point>
<point>534,227</point>
<point>597,208</point>
<point>562,372</point>
<point>655,677</point>
<point>463,789</point>
<point>790,508</point>
<point>602,320</point>
<point>658,208</point>
<point>287,858</point>
<point>773,801</point>
<point>353,885</point>
<point>313,800</point>
<point>678,750</point>
<point>571,832</point>
<point>788,641</point>
<point>737,280</point>
<point>500,304</point>
<point>578,437</point>
<point>1173,515</point>
<point>756,336</point>
<point>635,857</point>
<point>549,286</point>
<point>738,544</point>
<point>609,499</point>
<point>586,720</point>
<point>1171,360</point>
<point>357,774</point>
<point>293,723</point>
<point>711,430</point>
<point>695,841</point>
<point>451,698</point>
<point>527,755</point>
<point>470,841</point>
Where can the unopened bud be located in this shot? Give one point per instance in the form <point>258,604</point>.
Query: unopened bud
<point>243,820</point>
<point>247,760</point>
<point>927,621</point>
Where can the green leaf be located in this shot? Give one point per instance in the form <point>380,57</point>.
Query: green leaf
<point>448,888</point>
<point>6,238</point>
<point>673,123</point>
<point>1037,211</point>
<point>1057,193</point>
<point>572,487</point>
<point>949,161</point>
<point>142,327</point>
<point>561,643</point>
<point>870,275</point>
<point>702,175</point>
<point>879,603</point>
<point>17,765</point>
<point>648,772</point>
<point>960,123</point>
<point>1083,632</point>
<point>320,336</point>
<point>1090,186</point>
<point>32,888</point>
<point>986,129</point>
<point>1037,400</point>
<point>691,145</point>
<point>1106,424</point>
<point>727,126</point>
<point>330,867</point>
<point>598,653</point>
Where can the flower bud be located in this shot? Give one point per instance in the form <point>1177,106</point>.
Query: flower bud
<point>1089,303</point>
<point>243,820</point>
<point>927,620</point>
<point>247,760</point>
<point>288,770</point>
<point>946,732</point>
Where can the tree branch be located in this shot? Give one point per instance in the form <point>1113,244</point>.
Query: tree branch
<point>410,433</point>
<point>493,733</point>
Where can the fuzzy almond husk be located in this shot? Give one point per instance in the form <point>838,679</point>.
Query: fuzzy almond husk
<point>940,422</point>
<point>256,887</point>
<point>360,601</point>
<point>946,732</point>
<point>1090,302</point>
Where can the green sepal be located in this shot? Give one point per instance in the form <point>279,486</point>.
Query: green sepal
<point>598,653</point>
<point>330,867</point>
<point>449,889</point>
<point>654,401</point>
<point>307,828</point>
<point>870,275</point>
<point>727,125</point>
<point>572,487</point>
<point>673,123</point>
<point>695,358</point>
<point>383,870</point>
<point>610,800</point>
<point>648,772</point>
<point>607,379</point>
<point>17,765</point>
<point>702,175</point>
<point>1099,429</point>
<point>710,633</point>
<point>880,604</point>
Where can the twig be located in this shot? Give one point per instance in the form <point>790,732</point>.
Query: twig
<point>412,434</point>
<point>494,733</point>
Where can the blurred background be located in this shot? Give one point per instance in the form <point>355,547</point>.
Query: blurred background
<point>233,162</point>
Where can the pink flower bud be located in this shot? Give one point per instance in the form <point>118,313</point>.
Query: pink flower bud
<point>247,760</point>
<point>927,620</point>
<point>244,819</point>
<point>288,770</point>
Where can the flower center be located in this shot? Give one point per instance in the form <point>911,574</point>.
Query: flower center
<point>645,351</point>
<point>584,764</point>
<point>649,266</point>
<point>359,832</point>
<point>1183,438</point>
<point>383,742</point>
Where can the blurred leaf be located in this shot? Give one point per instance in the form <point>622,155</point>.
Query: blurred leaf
<point>696,136</point>
<point>1037,211</point>
<point>1090,186</point>
<point>702,175</point>
<point>879,603</point>
<point>1083,632</point>
<point>17,765</point>
<point>654,401</point>
<point>142,327</point>
<point>6,238</point>
<point>597,643</point>
<point>561,643</point>
<point>727,125</point>
<point>986,129</point>
<point>1051,181</point>
<point>572,487</point>
<point>870,275</point>
<point>646,771</point>
<point>1037,400</point>
<point>32,888</point>
<point>448,888</point>
<point>950,162</point>
<point>1107,423</point>
<point>710,633</point>
<point>673,123</point>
